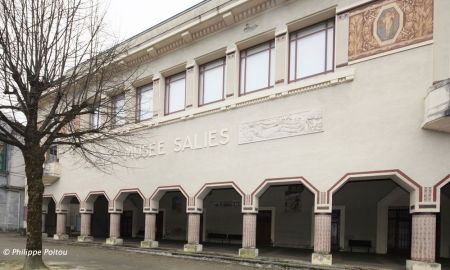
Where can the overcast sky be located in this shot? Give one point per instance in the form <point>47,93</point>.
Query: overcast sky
<point>126,18</point>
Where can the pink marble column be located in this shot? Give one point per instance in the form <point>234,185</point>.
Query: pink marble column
<point>322,233</point>
<point>85,229</point>
<point>249,231</point>
<point>150,227</point>
<point>423,242</point>
<point>114,225</point>
<point>193,229</point>
<point>61,224</point>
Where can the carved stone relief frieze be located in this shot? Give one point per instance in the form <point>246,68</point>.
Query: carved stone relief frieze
<point>292,124</point>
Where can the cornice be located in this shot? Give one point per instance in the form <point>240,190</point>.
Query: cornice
<point>223,18</point>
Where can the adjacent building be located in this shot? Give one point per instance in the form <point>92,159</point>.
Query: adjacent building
<point>12,183</point>
<point>317,125</point>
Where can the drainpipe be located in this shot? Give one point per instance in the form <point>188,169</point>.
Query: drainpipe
<point>18,211</point>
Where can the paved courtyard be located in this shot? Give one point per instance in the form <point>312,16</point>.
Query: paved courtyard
<point>93,257</point>
<point>88,256</point>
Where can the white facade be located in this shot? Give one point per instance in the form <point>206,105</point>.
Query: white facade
<point>360,120</point>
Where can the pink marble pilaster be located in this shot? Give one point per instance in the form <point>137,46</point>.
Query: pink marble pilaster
<point>423,242</point>
<point>61,224</point>
<point>85,229</point>
<point>193,228</point>
<point>114,225</point>
<point>322,233</point>
<point>150,227</point>
<point>249,230</point>
<point>43,222</point>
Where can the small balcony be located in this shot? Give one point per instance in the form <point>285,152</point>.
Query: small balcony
<point>437,107</point>
<point>52,173</point>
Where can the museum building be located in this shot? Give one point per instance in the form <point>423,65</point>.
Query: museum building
<point>321,126</point>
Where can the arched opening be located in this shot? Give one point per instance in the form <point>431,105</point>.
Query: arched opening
<point>100,216</point>
<point>372,216</point>
<point>443,225</point>
<point>132,220</point>
<point>70,204</point>
<point>171,218</point>
<point>285,220</point>
<point>50,217</point>
<point>221,222</point>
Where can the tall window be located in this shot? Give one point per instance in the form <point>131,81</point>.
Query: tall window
<point>257,68</point>
<point>144,102</point>
<point>118,110</point>
<point>52,154</point>
<point>212,81</point>
<point>175,93</point>
<point>3,157</point>
<point>311,50</point>
<point>95,117</point>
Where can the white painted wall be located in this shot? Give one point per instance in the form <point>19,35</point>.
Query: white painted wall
<point>371,123</point>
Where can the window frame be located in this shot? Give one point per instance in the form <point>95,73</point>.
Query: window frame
<point>138,102</point>
<point>4,159</point>
<point>201,81</point>
<point>243,92</point>
<point>167,92</point>
<point>96,108</point>
<point>297,39</point>
<point>114,114</point>
<point>52,154</point>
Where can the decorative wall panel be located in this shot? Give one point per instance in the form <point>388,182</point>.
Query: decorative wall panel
<point>288,125</point>
<point>390,24</point>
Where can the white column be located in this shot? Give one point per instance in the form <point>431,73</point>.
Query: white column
<point>248,236</point>
<point>191,85</point>
<point>232,72</point>
<point>322,239</point>
<point>158,95</point>
<point>281,55</point>
<point>341,39</point>
<point>130,105</point>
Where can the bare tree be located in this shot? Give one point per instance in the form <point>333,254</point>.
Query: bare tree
<point>57,87</point>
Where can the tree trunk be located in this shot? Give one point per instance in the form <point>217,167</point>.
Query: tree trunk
<point>34,162</point>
